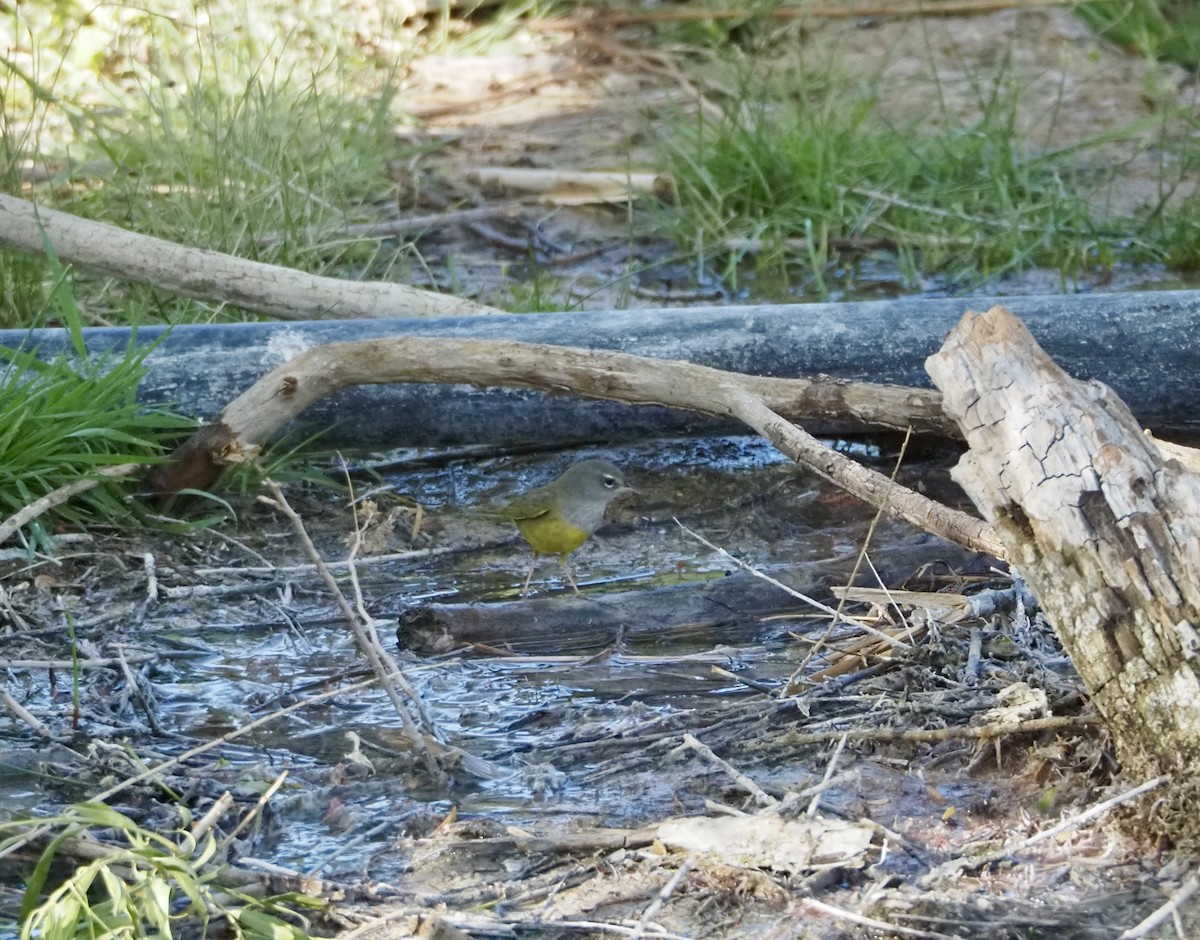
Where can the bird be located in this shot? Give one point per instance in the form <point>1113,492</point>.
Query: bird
<point>558,517</point>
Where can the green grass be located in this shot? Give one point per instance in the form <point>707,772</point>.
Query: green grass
<point>69,418</point>
<point>1157,29</point>
<point>239,127</point>
<point>797,165</point>
<point>267,172</point>
<point>534,292</point>
<point>140,884</point>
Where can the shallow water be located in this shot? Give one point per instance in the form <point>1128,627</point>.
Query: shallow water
<point>578,735</point>
<point>738,492</point>
<point>226,660</point>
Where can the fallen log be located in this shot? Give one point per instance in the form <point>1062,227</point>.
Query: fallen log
<point>212,275</point>
<point>1104,529</point>
<point>725,610</point>
<point>1129,341</point>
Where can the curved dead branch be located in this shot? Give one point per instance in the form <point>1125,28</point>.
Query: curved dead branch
<point>276,398</point>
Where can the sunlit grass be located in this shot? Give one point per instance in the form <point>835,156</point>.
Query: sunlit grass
<point>1157,29</point>
<point>69,418</point>
<point>245,128</point>
<point>805,167</point>
<point>138,883</point>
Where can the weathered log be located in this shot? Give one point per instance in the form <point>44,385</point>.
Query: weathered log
<point>724,610</point>
<point>1129,341</point>
<point>211,275</point>
<point>1105,530</point>
<point>729,609</point>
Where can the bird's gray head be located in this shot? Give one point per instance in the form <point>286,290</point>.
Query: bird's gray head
<point>586,489</point>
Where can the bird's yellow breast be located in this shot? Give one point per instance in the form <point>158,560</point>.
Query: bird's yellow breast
<point>550,534</point>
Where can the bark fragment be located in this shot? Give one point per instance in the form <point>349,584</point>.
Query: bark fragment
<point>1104,528</point>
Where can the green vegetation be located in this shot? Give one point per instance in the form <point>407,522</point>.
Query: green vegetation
<point>238,127</point>
<point>144,885</point>
<point>815,161</point>
<point>68,419</point>
<point>257,130</point>
<point>797,175</point>
<point>537,292</point>
<point>1157,29</point>
<point>267,172</point>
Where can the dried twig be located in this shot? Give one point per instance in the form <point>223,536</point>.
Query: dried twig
<point>760,796</point>
<point>136,690</point>
<point>974,732</point>
<point>221,805</point>
<point>863,921</point>
<point>793,683</point>
<point>285,570</point>
<point>263,799</point>
<point>102,663</point>
<point>837,615</point>
<point>833,760</point>
<point>60,495</point>
<point>855,8</point>
<point>371,649</point>
<point>1177,900</point>
<point>368,622</point>
<point>956,865</point>
<point>661,898</point>
<point>18,711</point>
<point>349,844</point>
<point>599,926</point>
<point>389,228</point>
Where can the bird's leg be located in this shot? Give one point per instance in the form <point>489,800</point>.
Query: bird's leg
<point>567,571</point>
<point>529,575</point>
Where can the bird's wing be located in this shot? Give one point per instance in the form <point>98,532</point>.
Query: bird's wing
<point>528,505</point>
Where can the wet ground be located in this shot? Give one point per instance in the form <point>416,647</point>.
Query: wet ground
<point>577,736</point>
<point>573,731</point>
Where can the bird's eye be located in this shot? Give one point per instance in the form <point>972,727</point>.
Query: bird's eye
<point>610,481</point>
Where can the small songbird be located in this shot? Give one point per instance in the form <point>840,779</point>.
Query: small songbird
<point>557,518</point>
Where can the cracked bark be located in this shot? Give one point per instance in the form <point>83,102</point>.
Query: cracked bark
<point>1105,529</point>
